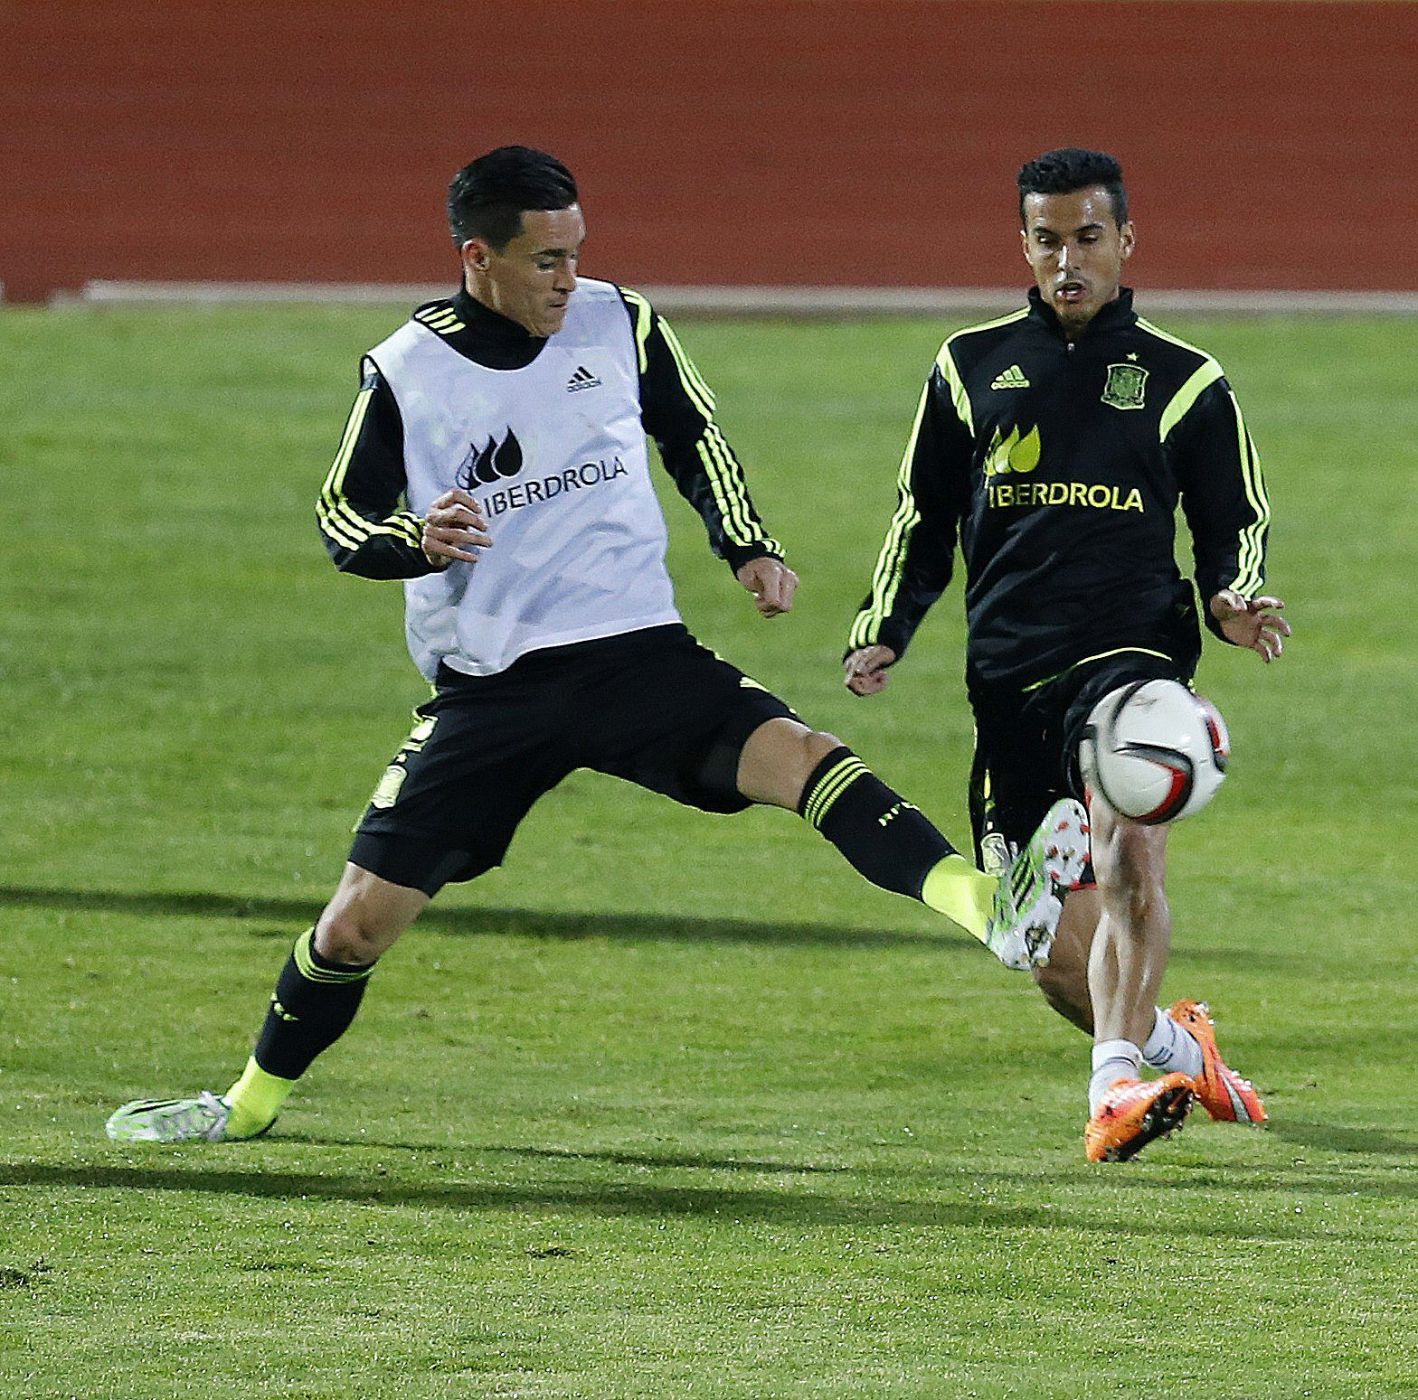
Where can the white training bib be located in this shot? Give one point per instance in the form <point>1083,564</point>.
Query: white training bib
<point>555,454</point>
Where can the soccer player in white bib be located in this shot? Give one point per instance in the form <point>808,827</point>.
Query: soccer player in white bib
<point>495,460</point>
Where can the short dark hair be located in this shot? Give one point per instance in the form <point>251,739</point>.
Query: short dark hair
<point>1072,168</point>
<point>488,196</point>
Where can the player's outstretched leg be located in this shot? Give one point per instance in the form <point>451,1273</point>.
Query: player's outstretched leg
<point>891,843</point>
<point>315,1000</point>
<point>1029,898</point>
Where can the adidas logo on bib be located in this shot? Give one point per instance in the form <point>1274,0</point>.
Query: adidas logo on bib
<point>1012,378</point>
<point>582,379</point>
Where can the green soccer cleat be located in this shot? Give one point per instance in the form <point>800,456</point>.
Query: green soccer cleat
<point>1029,899</point>
<point>202,1119</point>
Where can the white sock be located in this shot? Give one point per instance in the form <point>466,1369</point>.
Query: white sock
<point>1112,1060</point>
<point>1172,1047</point>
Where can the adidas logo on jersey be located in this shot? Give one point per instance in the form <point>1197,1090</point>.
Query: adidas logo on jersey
<point>1012,378</point>
<point>582,379</point>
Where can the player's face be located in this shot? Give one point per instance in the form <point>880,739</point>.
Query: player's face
<point>531,278</point>
<point>1076,250</point>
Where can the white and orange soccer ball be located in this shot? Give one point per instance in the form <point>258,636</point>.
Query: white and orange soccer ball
<point>1154,751</point>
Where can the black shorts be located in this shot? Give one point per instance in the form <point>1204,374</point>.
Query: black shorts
<point>1026,745</point>
<point>653,707</point>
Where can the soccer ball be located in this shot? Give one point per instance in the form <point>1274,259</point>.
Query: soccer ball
<point>1154,751</point>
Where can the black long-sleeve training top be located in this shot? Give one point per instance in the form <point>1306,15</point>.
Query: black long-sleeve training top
<point>1058,467</point>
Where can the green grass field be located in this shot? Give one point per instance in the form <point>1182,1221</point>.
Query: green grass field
<point>672,1105</point>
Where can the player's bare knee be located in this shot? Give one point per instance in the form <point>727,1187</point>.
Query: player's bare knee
<point>813,745</point>
<point>357,930</point>
<point>779,758</point>
<point>1137,920</point>
<point>1131,858</point>
<point>365,916</point>
<point>342,937</point>
<point>1134,892</point>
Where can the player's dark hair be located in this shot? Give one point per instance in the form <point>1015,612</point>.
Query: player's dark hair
<point>489,195</point>
<point>1072,168</point>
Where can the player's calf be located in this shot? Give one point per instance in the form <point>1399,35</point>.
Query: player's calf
<point>884,838</point>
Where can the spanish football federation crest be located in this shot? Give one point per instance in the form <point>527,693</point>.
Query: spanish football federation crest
<point>1126,386</point>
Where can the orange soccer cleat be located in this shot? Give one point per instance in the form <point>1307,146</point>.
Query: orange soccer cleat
<point>1223,1093</point>
<point>1133,1113</point>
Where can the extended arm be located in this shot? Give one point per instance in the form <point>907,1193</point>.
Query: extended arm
<point>677,409</point>
<point>1228,512</point>
<point>915,562</point>
<point>358,512</point>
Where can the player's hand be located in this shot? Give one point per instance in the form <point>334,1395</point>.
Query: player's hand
<point>454,527</point>
<point>771,582</point>
<point>867,669</point>
<point>1252,622</point>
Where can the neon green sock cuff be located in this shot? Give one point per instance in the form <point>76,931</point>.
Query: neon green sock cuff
<point>954,887</point>
<point>256,1098</point>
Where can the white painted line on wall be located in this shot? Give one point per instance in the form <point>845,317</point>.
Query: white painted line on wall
<point>745,301</point>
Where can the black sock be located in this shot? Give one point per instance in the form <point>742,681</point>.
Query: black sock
<point>312,1007</point>
<point>884,837</point>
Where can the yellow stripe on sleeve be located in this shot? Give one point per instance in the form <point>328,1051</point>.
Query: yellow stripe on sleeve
<point>694,385</point>
<point>891,562</point>
<point>1251,555</point>
<point>336,517</point>
<point>945,362</point>
<point>1182,401</point>
<point>730,491</point>
<point>334,514</point>
<point>644,323</point>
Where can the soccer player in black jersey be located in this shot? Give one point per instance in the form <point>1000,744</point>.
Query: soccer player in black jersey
<point>1054,445</point>
<point>495,460</point>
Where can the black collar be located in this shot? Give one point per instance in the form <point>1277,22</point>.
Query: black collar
<point>1116,315</point>
<point>491,327</point>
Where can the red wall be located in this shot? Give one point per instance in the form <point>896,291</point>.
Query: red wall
<point>852,142</point>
